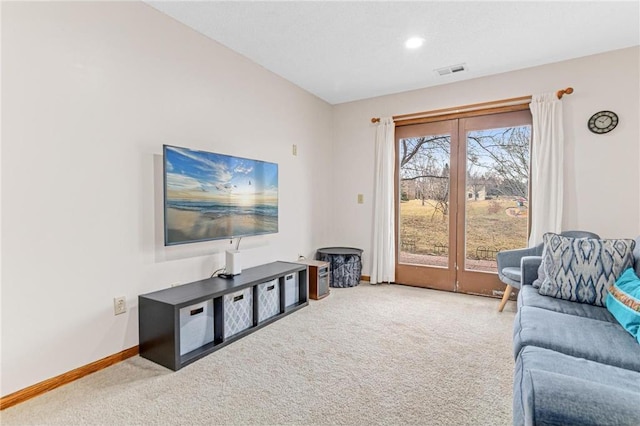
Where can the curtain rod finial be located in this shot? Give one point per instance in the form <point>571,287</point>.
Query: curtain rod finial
<point>567,91</point>
<point>375,120</point>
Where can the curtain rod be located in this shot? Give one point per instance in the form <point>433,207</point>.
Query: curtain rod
<point>471,107</point>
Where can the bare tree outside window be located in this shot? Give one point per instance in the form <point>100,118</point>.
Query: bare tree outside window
<point>500,159</point>
<point>425,162</point>
<point>497,180</point>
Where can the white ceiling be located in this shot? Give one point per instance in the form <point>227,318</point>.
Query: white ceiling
<point>345,51</point>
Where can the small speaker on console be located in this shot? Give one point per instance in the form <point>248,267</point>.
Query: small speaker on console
<point>233,264</point>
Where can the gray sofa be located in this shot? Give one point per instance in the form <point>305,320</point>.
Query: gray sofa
<point>575,365</point>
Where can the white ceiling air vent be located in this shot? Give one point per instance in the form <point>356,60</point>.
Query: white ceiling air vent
<point>452,69</point>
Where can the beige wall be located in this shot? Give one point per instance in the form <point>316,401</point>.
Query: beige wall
<point>91,91</point>
<point>601,171</point>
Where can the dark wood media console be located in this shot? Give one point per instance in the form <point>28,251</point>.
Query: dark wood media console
<point>182,324</point>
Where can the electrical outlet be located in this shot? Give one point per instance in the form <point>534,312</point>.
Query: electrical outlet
<point>119,305</point>
<point>294,150</point>
<point>360,198</point>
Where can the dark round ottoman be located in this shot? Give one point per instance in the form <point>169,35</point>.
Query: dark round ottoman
<point>345,264</point>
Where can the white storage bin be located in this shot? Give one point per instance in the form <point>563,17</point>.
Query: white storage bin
<point>196,326</point>
<point>291,289</point>
<point>238,311</point>
<point>268,300</point>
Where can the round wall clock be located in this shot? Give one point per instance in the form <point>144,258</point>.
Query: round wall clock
<point>603,122</point>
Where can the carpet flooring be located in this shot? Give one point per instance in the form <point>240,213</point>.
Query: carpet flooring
<point>371,354</point>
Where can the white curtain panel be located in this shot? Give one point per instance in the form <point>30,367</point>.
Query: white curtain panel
<point>383,268</point>
<point>547,149</point>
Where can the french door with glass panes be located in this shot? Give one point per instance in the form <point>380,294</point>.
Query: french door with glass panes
<point>462,195</point>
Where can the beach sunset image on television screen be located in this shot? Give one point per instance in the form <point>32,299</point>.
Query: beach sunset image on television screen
<point>212,196</point>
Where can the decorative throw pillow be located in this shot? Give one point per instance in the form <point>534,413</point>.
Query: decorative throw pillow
<point>541,274</point>
<point>582,269</point>
<point>623,301</point>
<point>636,255</point>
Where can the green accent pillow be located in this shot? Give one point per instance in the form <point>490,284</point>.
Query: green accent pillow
<point>623,301</point>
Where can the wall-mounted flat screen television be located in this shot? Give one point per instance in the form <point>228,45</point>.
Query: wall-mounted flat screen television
<point>209,196</point>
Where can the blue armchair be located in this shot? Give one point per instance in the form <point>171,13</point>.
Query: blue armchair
<point>510,263</point>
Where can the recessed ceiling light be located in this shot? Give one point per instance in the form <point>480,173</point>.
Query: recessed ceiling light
<point>413,42</point>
